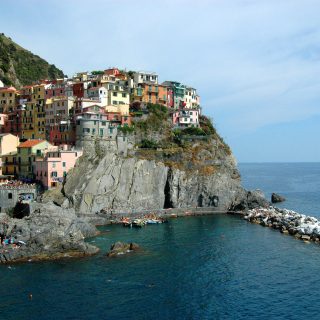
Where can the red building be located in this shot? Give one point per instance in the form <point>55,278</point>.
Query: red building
<point>63,133</point>
<point>13,122</point>
<point>78,89</point>
<point>116,118</point>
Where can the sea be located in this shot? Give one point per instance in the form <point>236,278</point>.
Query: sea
<point>209,267</point>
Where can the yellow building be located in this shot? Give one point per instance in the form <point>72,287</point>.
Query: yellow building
<point>123,109</point>
<point>10,164</point>
<point>33,117</point>
<point>7,99</point>
<point>8,143</point>
<point>27,121</point>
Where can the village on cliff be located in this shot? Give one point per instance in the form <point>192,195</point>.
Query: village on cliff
<point>43,125</point>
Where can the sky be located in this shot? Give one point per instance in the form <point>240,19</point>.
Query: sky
<point>255,63</point>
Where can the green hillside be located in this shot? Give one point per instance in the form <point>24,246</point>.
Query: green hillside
<point>19,66</point>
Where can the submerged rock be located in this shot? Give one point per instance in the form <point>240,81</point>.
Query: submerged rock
<point>275,198</point>
<point>120,248</point>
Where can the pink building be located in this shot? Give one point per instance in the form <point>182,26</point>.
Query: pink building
<point>3,122</point>
<point>184,118</point>
<point>52,169</point>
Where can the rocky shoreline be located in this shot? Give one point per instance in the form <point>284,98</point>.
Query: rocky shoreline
<point>300,226</point>
<point>54,232</point>
<point>48,233</point>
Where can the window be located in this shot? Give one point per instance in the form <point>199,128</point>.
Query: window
<point>63,164</point>
<point>54,174</point>
<point>124,95</point>
<point>115,94</point>
<point>9,195</point>
<point>103,123</point>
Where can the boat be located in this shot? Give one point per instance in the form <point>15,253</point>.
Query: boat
<point>138,223</point>
<point>153,221</point>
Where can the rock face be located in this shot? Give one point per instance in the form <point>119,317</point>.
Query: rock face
<point>275,198</point>
<point>114,183</point>
<point>49,232</point>
<point>250,200</point>
<point>120,248</point>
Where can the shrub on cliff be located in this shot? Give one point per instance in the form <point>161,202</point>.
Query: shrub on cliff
<point>126,129</point>
<point>193,131</point>
<point>148,144</point>
<point>206,125</point>
<point>156,121</point>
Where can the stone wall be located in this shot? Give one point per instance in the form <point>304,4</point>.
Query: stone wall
<point>10,196</point>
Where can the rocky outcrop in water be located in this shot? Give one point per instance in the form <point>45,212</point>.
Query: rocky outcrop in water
<point>275,198</point>
<point>287,221</point>
<point>121,248</point>
<point>49,232</point>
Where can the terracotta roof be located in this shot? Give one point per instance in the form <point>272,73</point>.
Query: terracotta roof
<point>8,89</point>
<point>29,143</point>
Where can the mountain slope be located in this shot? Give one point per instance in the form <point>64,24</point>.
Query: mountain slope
<point>19,66</point>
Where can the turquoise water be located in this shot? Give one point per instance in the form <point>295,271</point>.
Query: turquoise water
<point>212,267</point>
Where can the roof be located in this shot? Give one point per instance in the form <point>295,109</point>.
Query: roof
<point>30,143</point>
<point>4,134</point>
<point>8,89</point>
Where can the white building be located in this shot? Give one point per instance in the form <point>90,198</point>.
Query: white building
<point>191,98</point>
<point>145,77</point>
<point>98,93</point>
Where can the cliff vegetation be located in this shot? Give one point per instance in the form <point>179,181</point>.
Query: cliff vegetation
<point>19,66</point>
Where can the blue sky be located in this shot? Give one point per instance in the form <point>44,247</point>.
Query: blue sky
<point>255,63</point>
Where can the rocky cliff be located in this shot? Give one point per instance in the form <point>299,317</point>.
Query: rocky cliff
<point>201,173</point>
<point>49,232</point>
<point>123,177</point>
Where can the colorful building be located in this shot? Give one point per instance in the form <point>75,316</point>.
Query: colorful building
<point>184,118</point>
<point>28,151</point>
<point>118,93</point>
<point>191,98</point>
<point>54,166</point>
<point>8,96</point>
<point>178,91</point>
<point>3,122</point>
<point>8,143</point>
<point>13,122</point>
<point>93,123</point>
<point>145,77</point>
<point>10,164</point>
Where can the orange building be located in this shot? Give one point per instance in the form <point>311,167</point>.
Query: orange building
<point>153,93</point>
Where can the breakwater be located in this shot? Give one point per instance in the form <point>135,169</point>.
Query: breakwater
<point>286,221</point>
